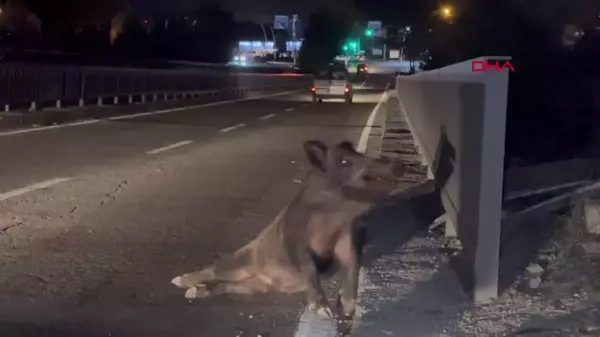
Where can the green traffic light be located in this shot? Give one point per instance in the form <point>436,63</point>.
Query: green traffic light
<point>353,45</point>
<point>369,32</point>
<point>345,47</point>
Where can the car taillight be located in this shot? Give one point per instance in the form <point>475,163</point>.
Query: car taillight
<point>366,68</point>
<point>346,89</point>
<point>313,89</point>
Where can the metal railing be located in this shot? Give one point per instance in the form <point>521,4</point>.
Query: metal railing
<point>458,119</point>
<point>34,85</point>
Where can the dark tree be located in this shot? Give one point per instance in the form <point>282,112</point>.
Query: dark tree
<point>323,39</point>
<point>214,33</point>
<point>549,110</point>
<point>61,19</point>
<point>134,39</point>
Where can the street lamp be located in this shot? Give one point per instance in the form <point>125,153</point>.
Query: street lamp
<point>447,12</point>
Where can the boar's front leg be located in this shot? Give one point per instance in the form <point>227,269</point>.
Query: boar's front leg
<point>317,300</point>
<point>348,254</point>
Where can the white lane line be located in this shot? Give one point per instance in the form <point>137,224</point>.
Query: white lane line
<point>290,109</point>
<point>50,127</point>
<point>200,106</point>
<point>169,147</point>
<point>364,137</point>
<point>31,188</point>
<point>267,116</point>
<point>313,325</point>
<point>142,114</point>
<point>231,128</point>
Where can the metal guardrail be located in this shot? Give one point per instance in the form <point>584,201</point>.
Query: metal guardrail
<point>458,119</point>
<point>23,84</point>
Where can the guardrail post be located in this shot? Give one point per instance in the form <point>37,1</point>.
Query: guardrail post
<point>155,97</point>
<point>82,90</point>
<point>143,98</point>
<point>6,108</point>
<point>130,99</point>
<point>116,98</point>
<point>63,89</point>
<point>100,101</point>
<point>33,106</point>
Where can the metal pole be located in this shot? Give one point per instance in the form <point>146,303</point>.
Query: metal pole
<point>264,34</point>
<point>294,51</point>
<point>384,51</point>
<point>274,42</point>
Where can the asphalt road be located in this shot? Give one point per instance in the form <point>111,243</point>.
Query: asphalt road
<point>96,219</point>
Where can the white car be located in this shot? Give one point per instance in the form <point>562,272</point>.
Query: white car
<point>332,83</point>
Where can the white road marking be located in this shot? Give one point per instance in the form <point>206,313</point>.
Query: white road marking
<point>169,147</point>
<point>50,127</point>
<point>313,325</point>
<point>231,128</point>
<point>267,116</point>
<point>200,106</point>
<point>43,128</point>
<point>31,188</point>
<point>290,109</point>
<point>364,137</point>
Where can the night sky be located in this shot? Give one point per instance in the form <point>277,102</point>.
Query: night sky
<point>244,9</point>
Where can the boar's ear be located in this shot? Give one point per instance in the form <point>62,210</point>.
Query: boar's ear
<point>316,152</point>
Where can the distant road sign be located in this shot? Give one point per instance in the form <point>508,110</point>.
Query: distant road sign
<point>281,22</point>
<point>375,27</point>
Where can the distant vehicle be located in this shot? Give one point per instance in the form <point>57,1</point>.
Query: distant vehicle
<point>332,82</point>
<point>362,68</point>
